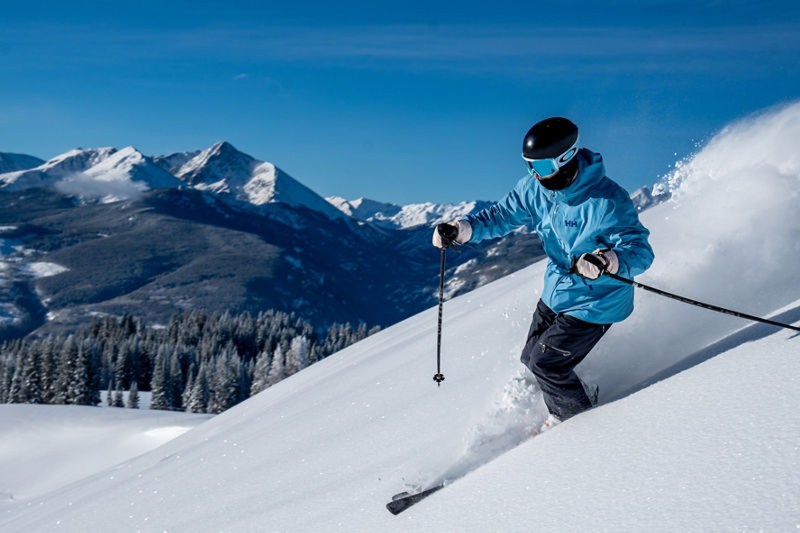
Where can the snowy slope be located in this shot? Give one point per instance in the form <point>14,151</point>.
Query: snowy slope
<point>63,444</point>
<point>711,449</point>
<point>714,447</point>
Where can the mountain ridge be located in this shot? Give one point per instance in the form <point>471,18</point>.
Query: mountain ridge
<point>224,170</point>
<point>219,229</point>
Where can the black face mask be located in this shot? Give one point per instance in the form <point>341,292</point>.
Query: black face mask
<point>563,178</point>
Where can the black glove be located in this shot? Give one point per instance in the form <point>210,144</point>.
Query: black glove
<point>445,235</point>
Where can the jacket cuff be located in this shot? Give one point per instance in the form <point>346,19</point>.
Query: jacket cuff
<point>464,231</point>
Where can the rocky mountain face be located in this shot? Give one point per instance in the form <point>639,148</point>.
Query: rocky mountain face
<point>106,231</point>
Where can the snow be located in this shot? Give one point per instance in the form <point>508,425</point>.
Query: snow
<point>402,217</point>
<point>269,184</point>
<point>76,161</point>
<point>697,428</point>
<point>107,174</point>
<point>714,448</point>
<point>44,269</point>
<point>62,444</point>
<point>120,175</point>
<point>222,169</point>
<point>261,187</point>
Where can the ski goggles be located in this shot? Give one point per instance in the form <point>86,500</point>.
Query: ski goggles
<point>545,168</point>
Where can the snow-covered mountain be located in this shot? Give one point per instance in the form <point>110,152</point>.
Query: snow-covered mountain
<point>387,215</point>
<point>403,217</point>
<point>105,173</point>
<point>696,429</point>
<point>115,175</point>
<point>224,170</point>
<point>233,235</point>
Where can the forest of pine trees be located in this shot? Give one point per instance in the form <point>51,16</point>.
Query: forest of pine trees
<point>200,363</point>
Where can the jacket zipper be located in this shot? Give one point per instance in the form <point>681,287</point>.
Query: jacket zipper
<point>561,243</point>
<point>553,214</point>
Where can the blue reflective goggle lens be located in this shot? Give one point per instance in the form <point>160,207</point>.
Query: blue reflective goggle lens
<point>544,168</point>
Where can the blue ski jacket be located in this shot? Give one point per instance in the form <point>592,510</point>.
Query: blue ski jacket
<point>593,212</point>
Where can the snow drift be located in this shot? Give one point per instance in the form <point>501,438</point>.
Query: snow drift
<point>47,446</point>
<point>711,448</point>
<point>729,236</point>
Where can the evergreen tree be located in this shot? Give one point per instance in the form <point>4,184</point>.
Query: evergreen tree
<point>133,396</point>
<point>94,375</point>
<point>5,377</point>
<point>16,393</point>
<point>199,396</point>
<point>160,384</point>
<point>49,368</point>
<point>276,370</point>
<point>32,375</point>
<point>298,354</point>
<point>225,392</point>
<point>109,398</point>
<point>245,380</point>
<point>187,390</point>
<point>175,382</point>
<point>120,357</point>
<point>201,362</point>
<point>260,374</point>
<point>67,362</point>
<point>80,390</point>
<point>119,398</point>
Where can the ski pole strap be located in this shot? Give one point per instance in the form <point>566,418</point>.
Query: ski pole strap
<point>439,377</point>
<point>704,305</point>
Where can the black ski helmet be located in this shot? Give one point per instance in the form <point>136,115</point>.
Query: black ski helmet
<point>548,138</point>
<point>553,138</point>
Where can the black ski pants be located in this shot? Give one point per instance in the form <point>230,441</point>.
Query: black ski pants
<point>556,344</point>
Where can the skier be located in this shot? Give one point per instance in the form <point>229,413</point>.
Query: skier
<point>588,225</point>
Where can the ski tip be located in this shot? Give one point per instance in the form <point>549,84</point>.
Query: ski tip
<point>404,500</point>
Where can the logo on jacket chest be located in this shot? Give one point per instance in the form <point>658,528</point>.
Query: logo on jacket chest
<point>572,223</point>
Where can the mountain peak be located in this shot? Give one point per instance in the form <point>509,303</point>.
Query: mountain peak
<point>223,147</point>
<point>105,173</point>
<point>221,168</point>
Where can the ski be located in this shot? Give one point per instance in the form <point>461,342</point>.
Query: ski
<point>404,500</point>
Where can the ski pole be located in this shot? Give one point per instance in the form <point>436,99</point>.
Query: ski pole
<point>439,377</point>
<point>700,304</point>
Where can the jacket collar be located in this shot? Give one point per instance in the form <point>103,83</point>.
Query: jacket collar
<point>590,171</point>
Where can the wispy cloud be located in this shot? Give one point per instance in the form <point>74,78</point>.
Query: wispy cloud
<point>481,48</point>
<point>475,42</point>
<point>509,49</point>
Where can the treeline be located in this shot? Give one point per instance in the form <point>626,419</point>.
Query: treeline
<point>200,362</point>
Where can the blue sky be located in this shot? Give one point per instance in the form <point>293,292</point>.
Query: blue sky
<point>401,103</point>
